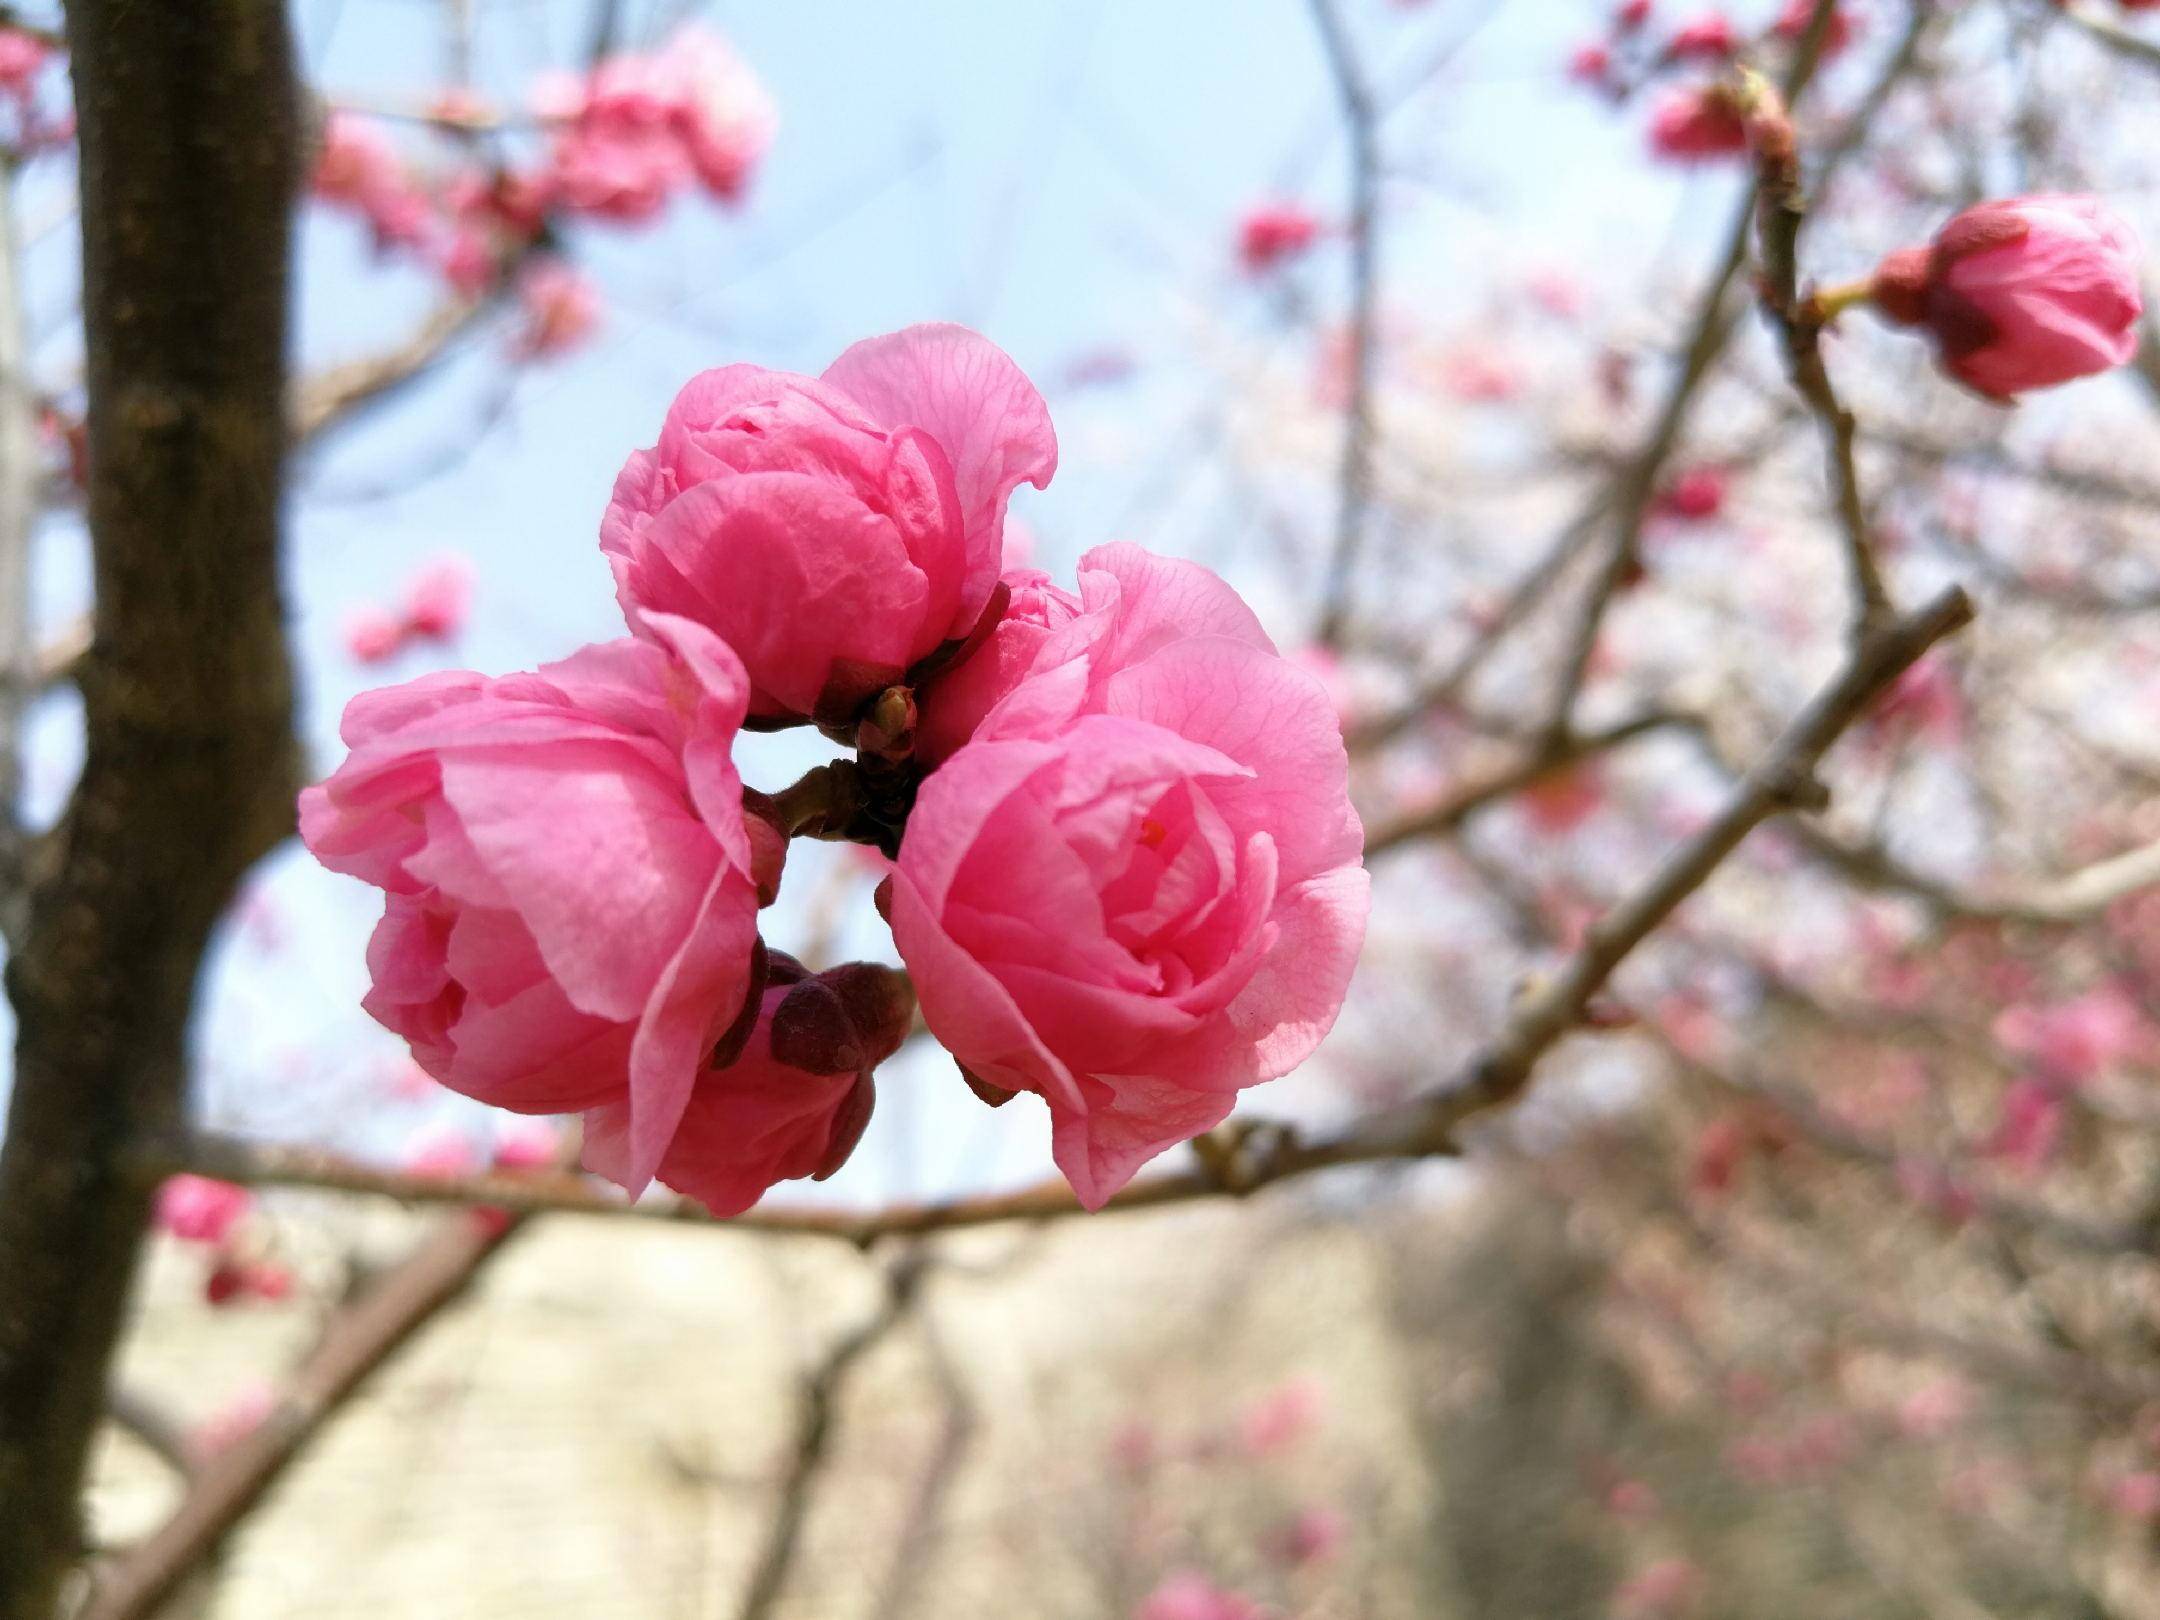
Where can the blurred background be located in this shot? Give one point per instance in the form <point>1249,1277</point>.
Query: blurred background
<point>1820,1281</point>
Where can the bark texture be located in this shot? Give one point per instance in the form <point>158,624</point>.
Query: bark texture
<point>189,132</point>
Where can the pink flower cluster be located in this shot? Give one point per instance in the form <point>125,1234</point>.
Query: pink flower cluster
<point>200,1210</point>
<point>1691,123</point>
<point>436,603</point>
<point>1126,875</point>
<point>621,142</point>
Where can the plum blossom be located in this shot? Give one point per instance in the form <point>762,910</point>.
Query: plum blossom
<point>1272,234</point>
<point>1697,125</point>
<point>570,902</point>
<point>2021,294</point>
<point>1189,1595</point>
<point>199,1209</point>
<point>561,306</point>
<point>1138,888</point>
<point>837,530</point>
<point>2071,1042</point>
<point>1281,1418</point>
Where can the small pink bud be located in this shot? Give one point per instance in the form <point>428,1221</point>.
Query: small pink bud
<point>373,636</point>
<point>1708,38</point>
<point>197,1209</point>
<point>1272,234</point>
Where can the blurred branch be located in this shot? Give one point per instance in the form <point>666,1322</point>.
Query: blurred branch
<point>916,1541</point>
<point>356,1343</point>
<point>1361,120</point>
<point>1781,211</point>
<point>1241,1157</point>
<point>189,140</point>
<point>138,1415</point>
<point>2130,46</point>
<point>1447,814</point>
<point>811,1450</point>
<point>324,400</point>
<point>20,479</point>
<point>2067,901</point>
<point>1715,320</point>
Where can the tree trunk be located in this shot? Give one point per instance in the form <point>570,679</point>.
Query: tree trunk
<point>189,131</point>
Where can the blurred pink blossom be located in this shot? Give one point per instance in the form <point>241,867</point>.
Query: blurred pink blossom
<point>197,1209</point>
<point>1284,1416</point>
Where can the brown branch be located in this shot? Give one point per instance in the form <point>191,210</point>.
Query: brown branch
<point>20,478</point>
<point>189,143</point>
<point>2130,46</point>
<point>2064,902</point>
<point>1361,121</point>
<point>321,401</point>
<point>1445,815</point>
<point>357,1342</point>
<point>1715,321</point>
<point>1241,1157</point>
<point>812,1447</point>
<point>1781,211</point>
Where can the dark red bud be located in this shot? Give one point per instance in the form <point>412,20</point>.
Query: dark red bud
<point>850,1120</point>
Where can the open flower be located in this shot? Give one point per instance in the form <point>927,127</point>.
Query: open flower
<point>1138,889</point>
<point>834,530</point>
<point>2021,294</point>
<point>570,902</point>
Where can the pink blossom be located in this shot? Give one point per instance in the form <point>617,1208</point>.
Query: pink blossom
<point>1558,293</point>
<point>353,161</point>
<point>2029,1126</point>
<point>526,1144</point>
<point>1696,125</point>
<point>22,55</point>
<point>1935,1408</point>
<point>1271,234</point>
<point>836,530</point>
<point>439,1150</point>
<point>794,1102</point>
<point>373,636</point>
<point>1188,1595</point>
<point>1923,702</point>
<point>2072,1041</point>
<point>1562,800</point>
<point>721,112</point>
<point>952,702</point>
<point>570,902</point>
<point>561,306</point>
<point>1312,1536</point>
<point>469,262</point>
<point>2135,1496</point>
<point>1282,1417</point>
<point>1591,63</point>
<point>1668,1587</point>
<point>1696,495</point>
<point>1632,1499</point>
<point>233,1422</point>
<point>234,1281</point>
<point>1630,15</point>
<point>198,1209</point>
<point>437,599</point>
<point>1135,1447</point>
<point>1792,24</point>
<point>1480,374</point>
<point>1139,888</point>
<point>2021,294</point>
<point>1709,37</point>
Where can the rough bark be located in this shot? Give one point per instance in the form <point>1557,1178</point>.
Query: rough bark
<point>189,143</point>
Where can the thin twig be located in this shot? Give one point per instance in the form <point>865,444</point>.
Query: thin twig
<point>1361,121</point>
<point>19,484</point>
<point>822,1393</point>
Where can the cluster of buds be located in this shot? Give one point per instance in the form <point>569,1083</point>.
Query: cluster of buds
<point>214,1215</point>
<point>619,144</point>
<point>433,610</point>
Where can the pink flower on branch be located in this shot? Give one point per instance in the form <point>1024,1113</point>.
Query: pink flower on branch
<point>1138,889</point>
<point>570,906</point>
<point>2021,294</point>
<point>1272,234</point>
<point>837,530</point>
<point>197,1209</point>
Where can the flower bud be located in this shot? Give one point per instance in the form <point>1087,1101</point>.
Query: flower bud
<point>2020,294</point>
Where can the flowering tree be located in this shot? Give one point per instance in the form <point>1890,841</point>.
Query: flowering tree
<point>1121,838</point>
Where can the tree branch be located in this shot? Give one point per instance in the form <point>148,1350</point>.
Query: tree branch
<point>1361,120</point>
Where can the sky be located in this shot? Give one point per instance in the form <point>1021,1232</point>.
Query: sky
<point>1065,177</point>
